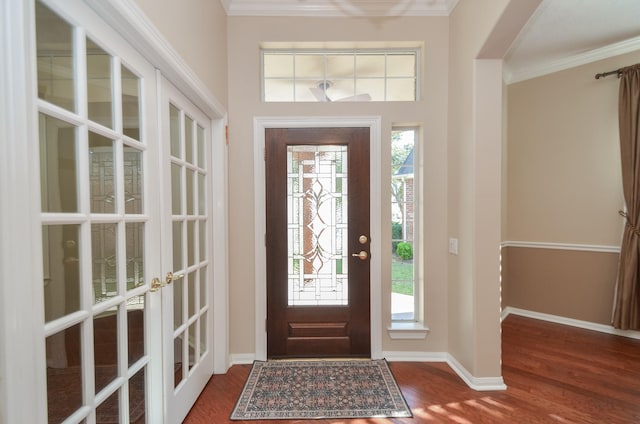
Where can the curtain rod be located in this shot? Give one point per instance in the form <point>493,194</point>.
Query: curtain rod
<point>604,74</point>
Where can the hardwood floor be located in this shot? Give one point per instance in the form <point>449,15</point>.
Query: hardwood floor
<point>554,374</point>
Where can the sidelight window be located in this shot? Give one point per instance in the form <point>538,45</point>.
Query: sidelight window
<point>404,234</point>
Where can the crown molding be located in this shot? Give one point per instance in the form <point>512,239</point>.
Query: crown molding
<point>513,75</point>
<point>342,8</point>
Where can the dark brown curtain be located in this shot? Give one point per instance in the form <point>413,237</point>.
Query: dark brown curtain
<point>626,313</point>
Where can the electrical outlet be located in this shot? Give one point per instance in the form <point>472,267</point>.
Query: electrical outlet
<point>453,246</point>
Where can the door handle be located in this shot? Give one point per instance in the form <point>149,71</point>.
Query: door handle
<point>171,277</point>
<point>362,255</point>
<point>156,284</point>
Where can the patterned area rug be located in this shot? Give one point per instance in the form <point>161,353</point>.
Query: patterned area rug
<point>320,389</point>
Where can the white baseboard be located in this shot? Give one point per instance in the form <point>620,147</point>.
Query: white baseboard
<point>242,358</point>
<point>570,321</point>
<point>396,356</point>
<point>476,383</point>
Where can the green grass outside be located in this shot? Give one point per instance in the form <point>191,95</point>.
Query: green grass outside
<point>402,277</point>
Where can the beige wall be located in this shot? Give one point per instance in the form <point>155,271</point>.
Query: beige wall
<point>245,35</point>
<point>564,186</point>
<point>198,33</point>
<point>566,283</point>
<point>474,204</point>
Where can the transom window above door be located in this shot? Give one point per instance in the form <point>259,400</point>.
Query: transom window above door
<point>327,75</point>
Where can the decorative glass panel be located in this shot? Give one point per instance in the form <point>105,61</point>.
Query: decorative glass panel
<point>61,266</point>
<point>101,174</point>
<point>54,42</point>
<point>317,225</point>
<point>105,261</point>
<point>130,104</point>
<point>99,85</point>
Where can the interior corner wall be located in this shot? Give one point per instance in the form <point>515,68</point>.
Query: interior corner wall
<point>564,190</point>
<point>197,30</point>
<point>471,24</point>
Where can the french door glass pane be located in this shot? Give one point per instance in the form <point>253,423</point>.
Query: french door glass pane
<point>317,222</point>
<point>177,245</point>
<point>105,348</point>
<point>99,85</point>
<point>134,233</point>
<point>135,328</point>
<point>133,195</point>
<point>178,295</point>
<point>191,294</point>
<point>174,131</point>
<point>137,404</point>
<point>58,165</point>
<point>109,410</point>
<point>201,146</point>
<point>188,139</point>
<point>101,174</point>
<point>64,374</point>
<point>203,331</point>
<point>190,243</point>
<point>54,44</point>
<point>61,265</point>
<point>105,261</point>
<point>176,189</point>
<point>130,103</point>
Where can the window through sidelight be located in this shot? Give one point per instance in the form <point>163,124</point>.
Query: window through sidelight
<point>404,241</point>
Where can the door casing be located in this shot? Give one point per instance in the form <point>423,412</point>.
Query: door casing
<point>259,125</point>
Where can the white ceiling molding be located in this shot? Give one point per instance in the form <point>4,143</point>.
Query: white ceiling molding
<point>339,7</point>
<point>517,75</point>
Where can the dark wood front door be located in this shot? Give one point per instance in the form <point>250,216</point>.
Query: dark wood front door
<point>318,266</point>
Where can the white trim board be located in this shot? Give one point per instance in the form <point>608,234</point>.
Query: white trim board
<point>570,321</point>
<point>562,246</point>
<point>374,123</point>
<point>512,76</point>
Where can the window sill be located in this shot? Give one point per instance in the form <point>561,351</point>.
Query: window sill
<point>407,331</point>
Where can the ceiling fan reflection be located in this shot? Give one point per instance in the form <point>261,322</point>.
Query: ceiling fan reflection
<point>320,93</point>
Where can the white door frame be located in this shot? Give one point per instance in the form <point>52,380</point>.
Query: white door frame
<point>260,255</point>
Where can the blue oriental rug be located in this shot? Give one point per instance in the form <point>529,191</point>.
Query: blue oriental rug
<point>320,390</point>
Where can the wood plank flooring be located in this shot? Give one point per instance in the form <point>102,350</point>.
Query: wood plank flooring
<point>554,373</point>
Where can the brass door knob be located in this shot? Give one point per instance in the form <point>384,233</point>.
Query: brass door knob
<point>362,255</point>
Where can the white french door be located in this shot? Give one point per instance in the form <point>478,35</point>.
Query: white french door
<point>125,222</point>
<point>186,245</point>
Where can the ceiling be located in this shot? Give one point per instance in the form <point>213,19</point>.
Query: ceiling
<point>561,33</point>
